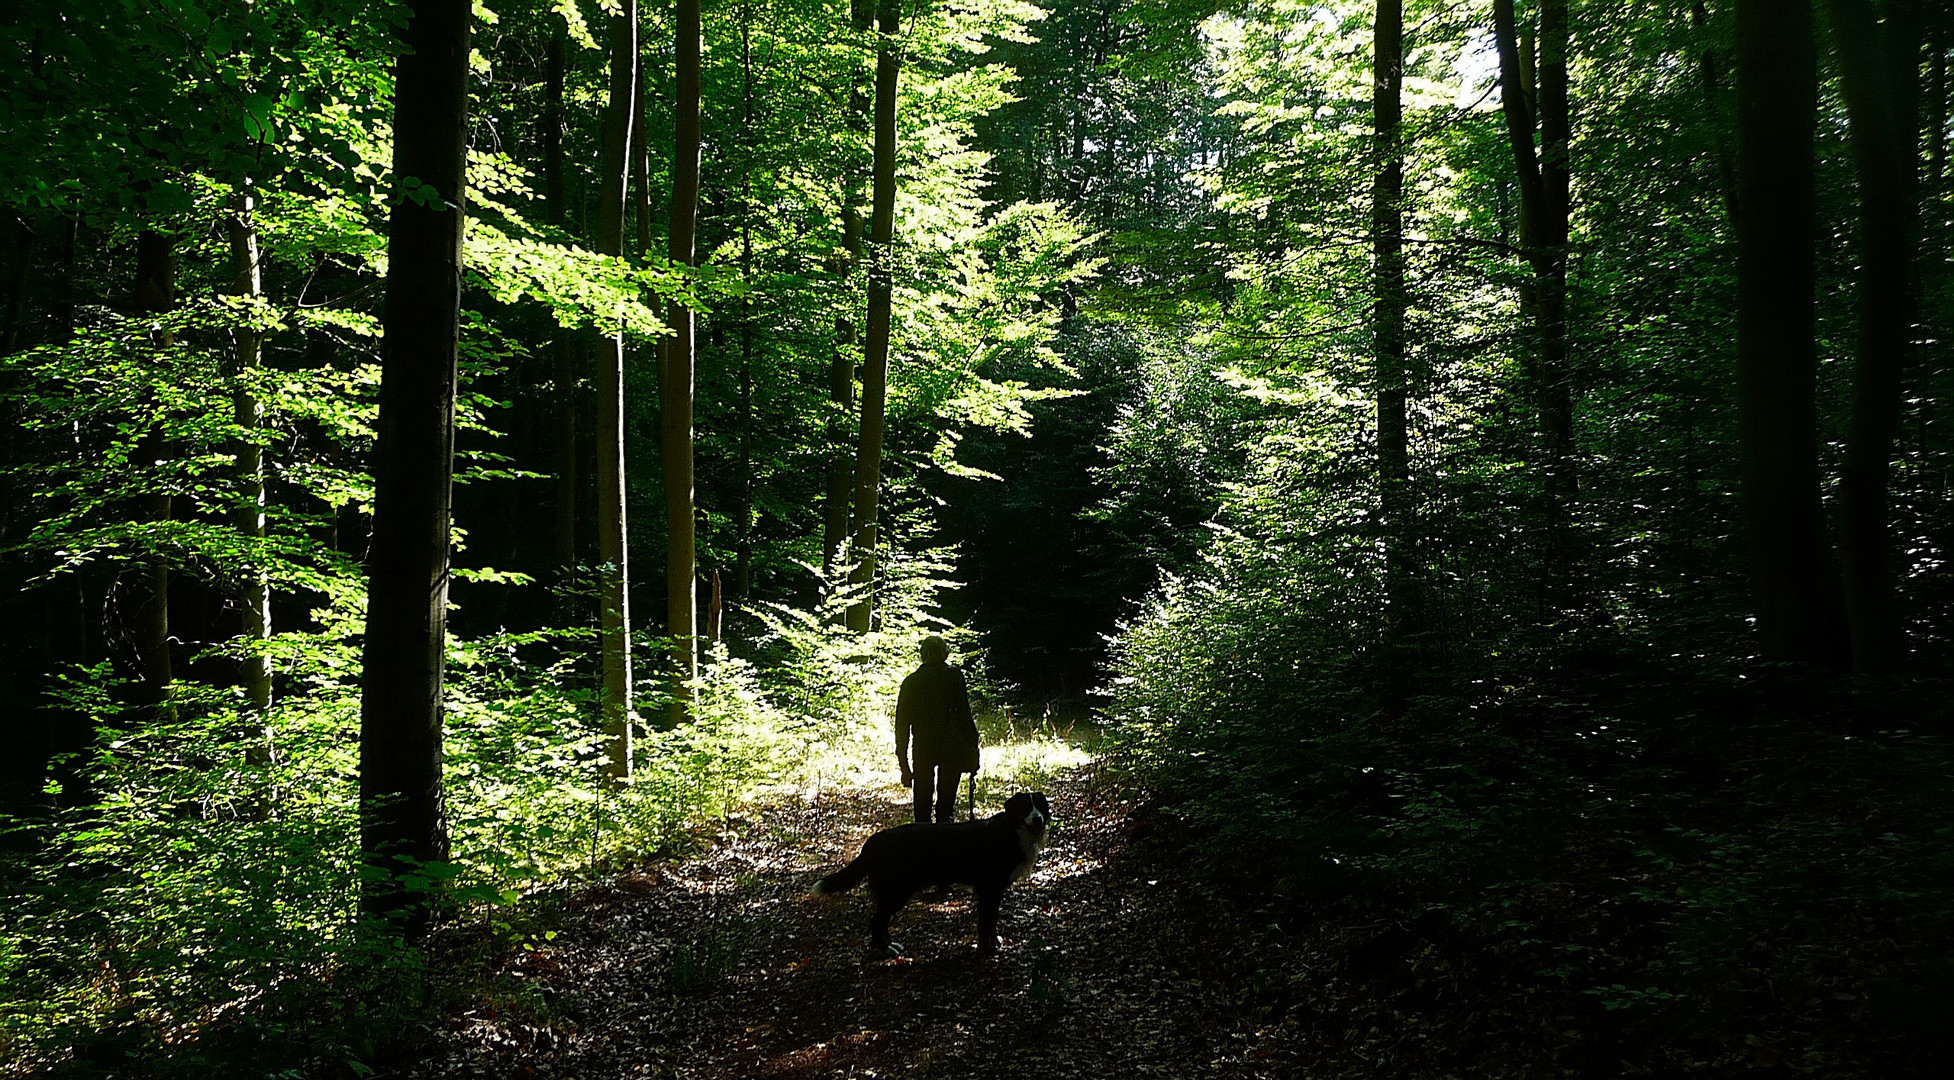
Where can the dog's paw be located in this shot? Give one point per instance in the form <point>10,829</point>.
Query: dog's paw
<point>885,952</point>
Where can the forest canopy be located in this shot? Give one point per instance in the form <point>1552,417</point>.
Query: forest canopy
<point>1455,457</point>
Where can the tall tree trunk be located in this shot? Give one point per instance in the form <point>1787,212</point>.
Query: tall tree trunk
<point>1777,94</point>
<point>743,549</point>
<point>402,814</point>
<point>1387,330</point>
<point>841,375</point>
<point>875,348</point>
<point>675,379</point>
<point>1543,184</point>
<point>150,625</point>
<point>66,600</point>
<point>20,266</point>
<point>1709,75</point>
<point>1556,135</point>
<point>614,585</point>
<point>1938,20</point>
<point>641,163</point>
<point>563,377</point>
<point>253,590</point>
<point>19,269</point>
<point>1879,67</point>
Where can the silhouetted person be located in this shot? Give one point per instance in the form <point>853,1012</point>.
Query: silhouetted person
<point>933,711</point>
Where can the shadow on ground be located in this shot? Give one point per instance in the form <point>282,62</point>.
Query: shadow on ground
<point>726,967</point>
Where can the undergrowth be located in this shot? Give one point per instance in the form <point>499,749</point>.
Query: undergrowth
<point>1669,865</point>
<point>184,901</point>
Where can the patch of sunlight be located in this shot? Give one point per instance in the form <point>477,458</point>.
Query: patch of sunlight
<point>1050,869</point>
<point>1027,764</point>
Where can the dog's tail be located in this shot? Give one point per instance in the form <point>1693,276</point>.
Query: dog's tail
<point>845,878</point>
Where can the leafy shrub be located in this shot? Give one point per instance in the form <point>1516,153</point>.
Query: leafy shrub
<point>198,904</point>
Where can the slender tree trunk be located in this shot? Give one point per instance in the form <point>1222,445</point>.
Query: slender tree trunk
<point>841,375</point>
<point>1556,135</point>
<point>253,590</point>
<point>1777,94</point>
<point>563,423</point>
<point>614,584</point>
<point>19,269</point>
<point>564,350</point>
<point>875,351</point>
<point>641,163</point>
<point>1880,73</point>
<point>551,122</point>
<point>1543,184</point>
<point>743,551</point>
<point>402,814</point>
<point>1937,24</point>
<point>1388,330</point>
<point>675,380</point>
<point>1709,75</point>
<point>67,599</point>
<point>150,626</point>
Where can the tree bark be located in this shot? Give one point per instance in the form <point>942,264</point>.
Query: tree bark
<point>563,378</point>
<point>253,589</point>
<point>1777,93</point>
<point>875,350</point>
<point>1879,68</point>
<point>20,267</point>
<point>1937,25</point>
<point>614,582</point>
<point>743,511</point>
<point>554,204</point>
<point>640,163</point>
<point>1543,184</point>
<point>150,624</point>
<point>402,813</point>
<point>675,379</point>
<point>1388,331</point>
<point>841,375</point>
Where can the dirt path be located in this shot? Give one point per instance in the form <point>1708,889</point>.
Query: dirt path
<point>726,967</point>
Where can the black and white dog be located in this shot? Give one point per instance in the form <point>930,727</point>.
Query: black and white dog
<point>987,855</point>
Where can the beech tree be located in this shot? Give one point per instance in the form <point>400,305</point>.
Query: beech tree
<point>875,345</point>
<point>1388,315</point>
<point>613,536</point>
<point>1793,583</point>
<point>402,813</point>
<point>675,372</point>
<point>254,592</point>
<point>838,505</point>
<point>1880,80</point>
<point>1537,104</point>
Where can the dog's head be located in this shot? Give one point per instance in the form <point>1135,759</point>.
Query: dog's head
<point>1028,808</point>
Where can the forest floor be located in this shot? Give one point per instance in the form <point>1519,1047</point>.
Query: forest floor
<point>1120,959</point>
<point>724,965</point>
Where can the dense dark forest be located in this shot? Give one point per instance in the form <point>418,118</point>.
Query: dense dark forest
<point>1461,490</point>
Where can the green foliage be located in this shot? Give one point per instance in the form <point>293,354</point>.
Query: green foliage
<point>204,899</point>
<point>208,890</point>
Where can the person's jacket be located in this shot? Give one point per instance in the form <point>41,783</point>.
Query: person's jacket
<point>933,708</point>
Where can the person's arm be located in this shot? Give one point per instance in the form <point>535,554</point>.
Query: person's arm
<point>961,715</point>
<point>903,709</point>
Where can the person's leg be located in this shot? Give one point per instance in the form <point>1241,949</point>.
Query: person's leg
<point>925,783</point>
<point>946,793</point>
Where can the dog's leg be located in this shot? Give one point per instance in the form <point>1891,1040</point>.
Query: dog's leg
<point>887,903</point>
<point>989,899</point>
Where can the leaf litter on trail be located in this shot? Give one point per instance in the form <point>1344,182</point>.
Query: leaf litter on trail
<point>725,966</point>
<point>1119,959</point>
